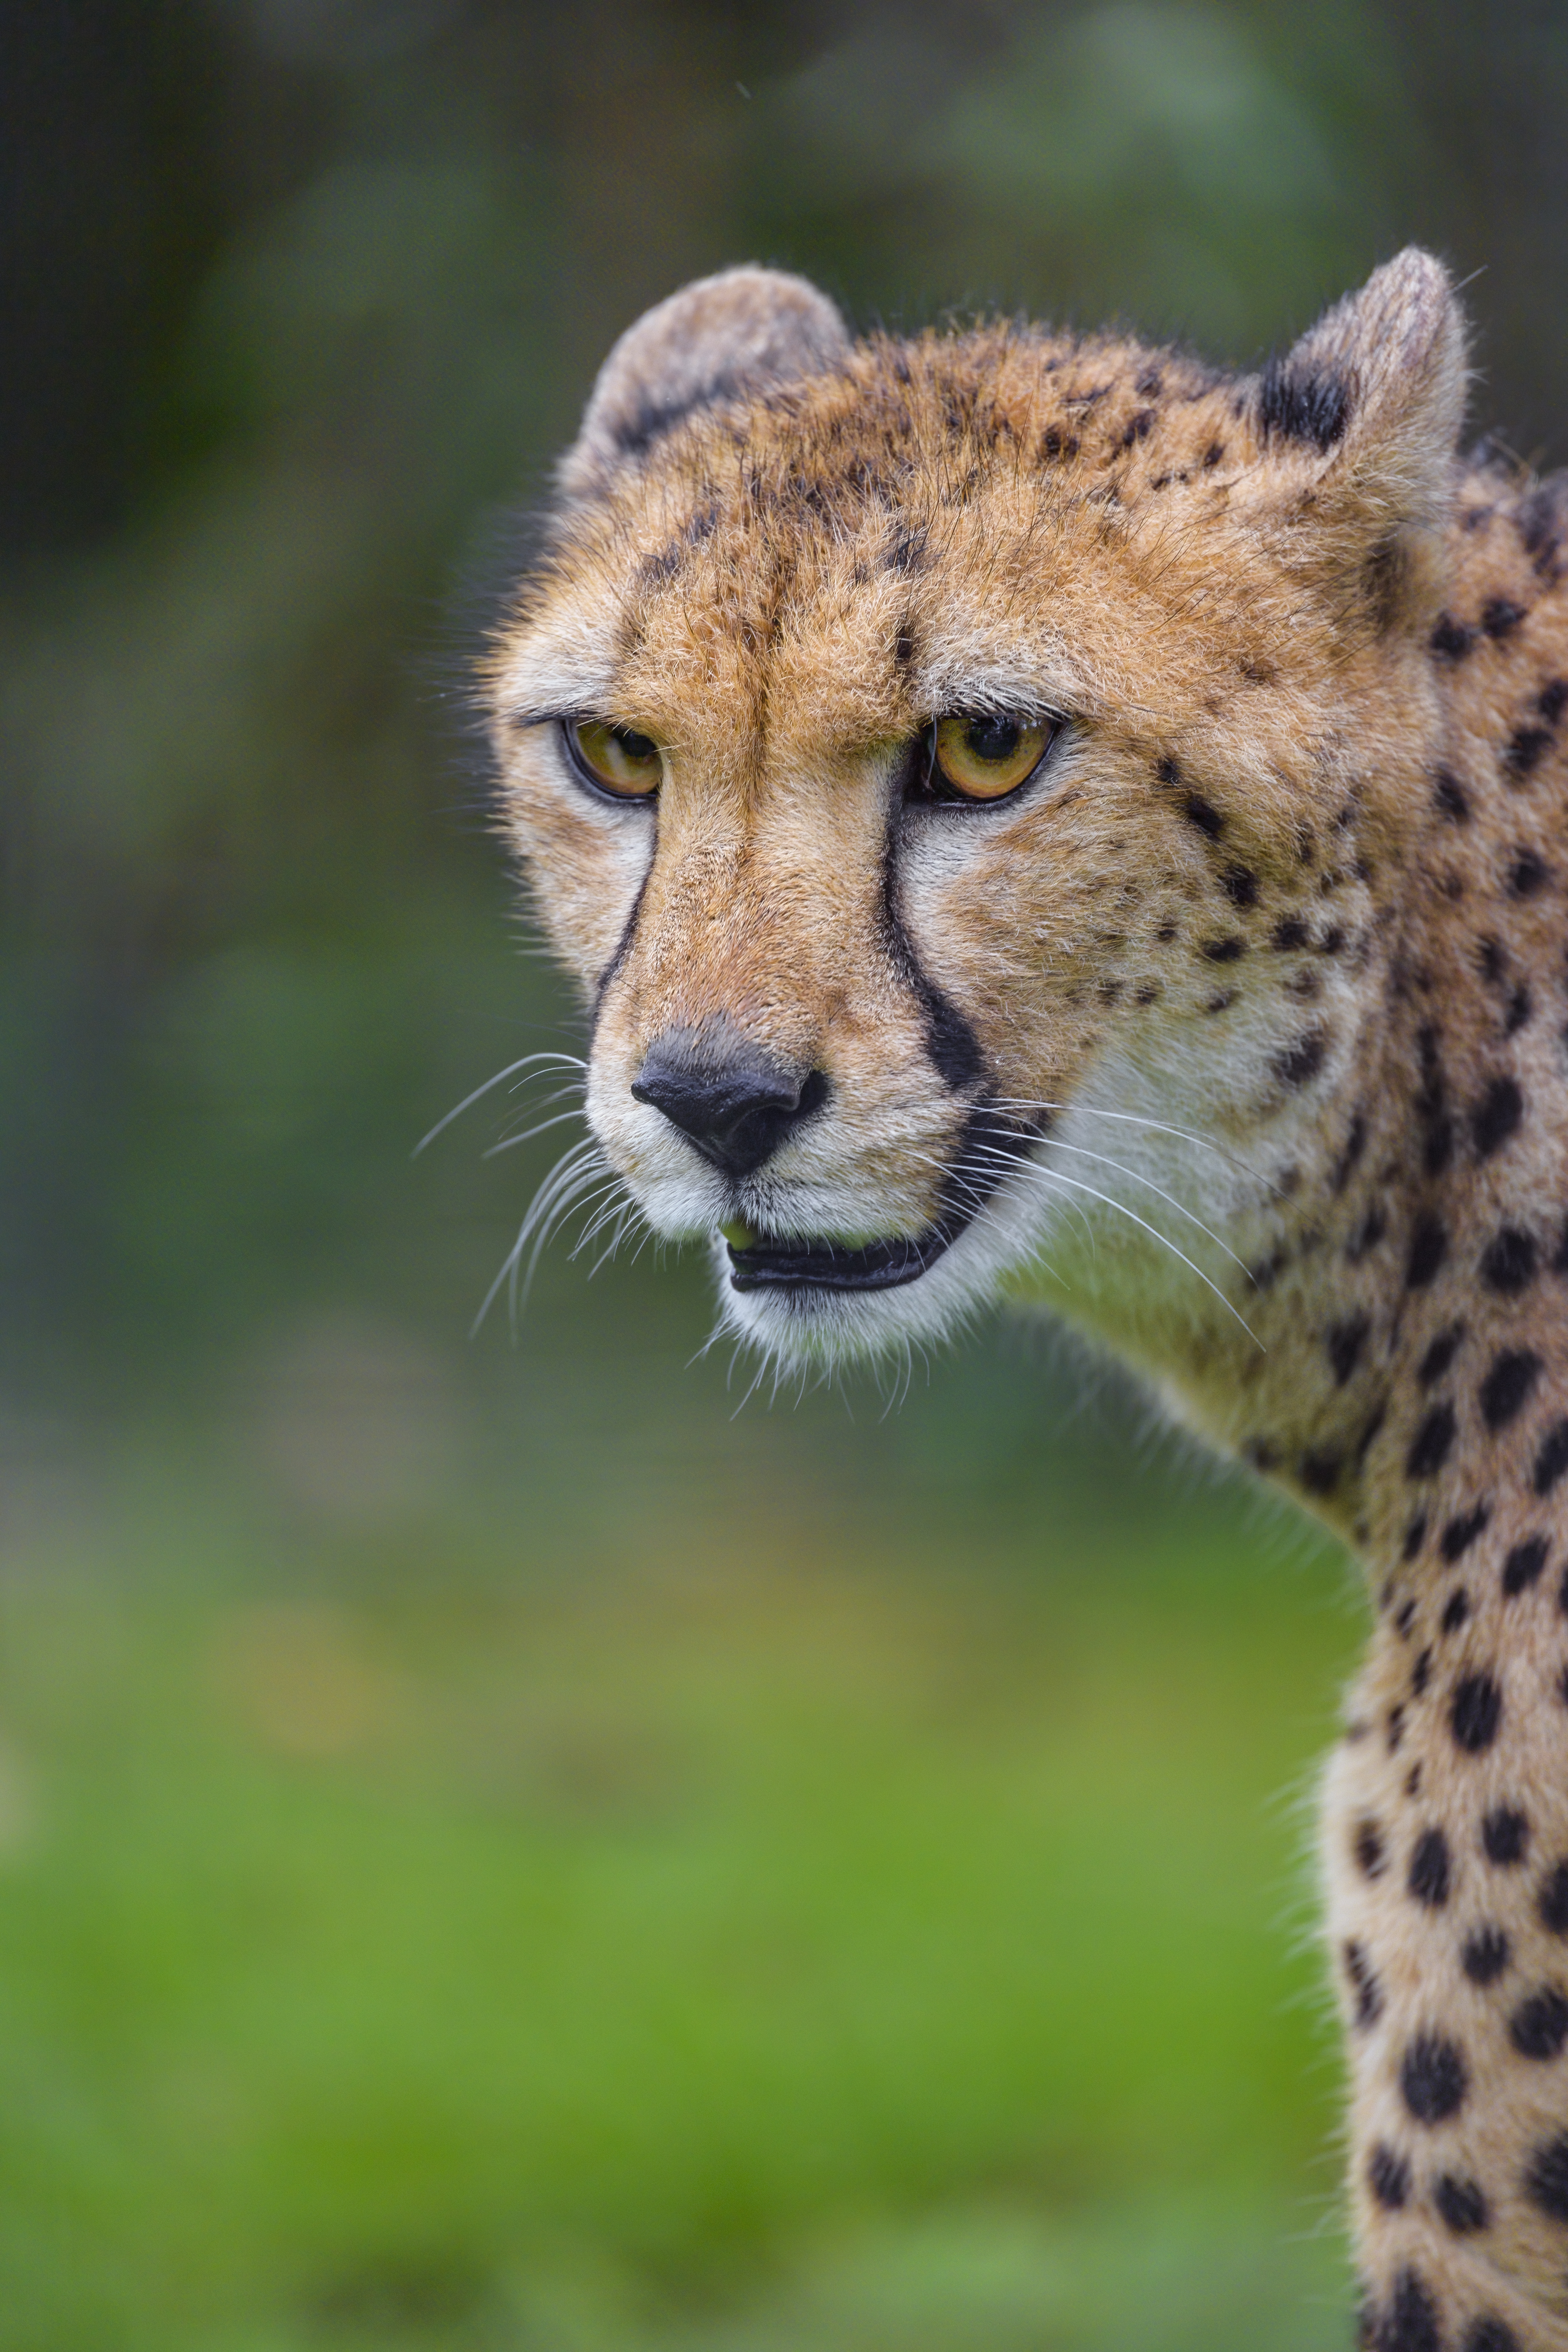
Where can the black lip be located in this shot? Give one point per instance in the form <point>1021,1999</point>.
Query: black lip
<point>980,1166</point>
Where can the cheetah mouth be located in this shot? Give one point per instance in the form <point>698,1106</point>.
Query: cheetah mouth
<point>991,1149</point>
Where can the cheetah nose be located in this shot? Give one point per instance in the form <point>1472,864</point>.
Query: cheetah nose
<point>725,1095</point>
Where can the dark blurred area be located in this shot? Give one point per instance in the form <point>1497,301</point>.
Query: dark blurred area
<point>496,1851</point>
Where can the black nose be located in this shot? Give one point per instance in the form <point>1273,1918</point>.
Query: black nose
<point>733,1102</point>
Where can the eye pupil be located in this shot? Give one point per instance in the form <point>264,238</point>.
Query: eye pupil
<point>992,739</point>
<point>635,746</point>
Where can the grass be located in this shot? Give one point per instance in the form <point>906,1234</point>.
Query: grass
<point>432,1940</point>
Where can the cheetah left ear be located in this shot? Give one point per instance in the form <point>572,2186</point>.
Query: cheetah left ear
<point>1356,432</point>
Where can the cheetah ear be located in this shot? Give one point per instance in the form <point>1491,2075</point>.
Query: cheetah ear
<point>1356,431</point>
<point>719,337</point>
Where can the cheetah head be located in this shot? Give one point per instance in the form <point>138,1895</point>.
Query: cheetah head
<point>933,757</point>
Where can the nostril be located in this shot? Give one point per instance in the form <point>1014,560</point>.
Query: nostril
<point>735,1102</point>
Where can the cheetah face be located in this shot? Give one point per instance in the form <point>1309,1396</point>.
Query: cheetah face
<point>916,749</point>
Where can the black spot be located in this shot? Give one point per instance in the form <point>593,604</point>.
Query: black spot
<point>1485,1956</point>
<point>1367,1235</point>
<point>1505,1836</point>
<point>1395,1728</point>
<point>1199,812</point>
<point>1222,1002</point>
<point>1451,639</point>
<point>1346,1342</point>
<point>1150,384</point>
<point>1333,940</point>
<point>1509,1386</point>
<point>1460,1534</point>
<point>1354,1145</point>
<point>1214,453</point>
<point>1560,1257</point>
<point>1519,1011</point>
<point>1363,1983</point>
<point>1522,752</point>
<point>1440,1355</point>
<point>1497,1116</point>
<point>1553,1459</point>
<point>1461,2204</point>
<point>1552,1900</point>
<point>904,647</point>
<point>1428,1248</point>
<point>1431,1870</point>
<point>1552,699</point>
<point>1290,932</point>
<point>1508,1262</point>
<point>1388,2177</point>
<point>1430,1447</point>
<point>1369,1853</point>
<point>1432,2079</point>
<point>1500,616</point>
<point>1415,1536</point>
<point>1167,771</point>
<point>1475,1713</point>
<point>1165,934</point>
<point>1223,950</point>
<point>1489,2334</point>
<point>1539,2026</point>
<point>1524,1565</point>
<point>1410,2323</point>
<point>1527,875</point>
<point>1455,1611</point>
<point>1321,1472</point>
<point>1240,886</point>
<point>1421,1673</point>
<point>1300,402</point>
<point>1303,1060</point>
<point>1546,2181</point>
<point>1137,427</point>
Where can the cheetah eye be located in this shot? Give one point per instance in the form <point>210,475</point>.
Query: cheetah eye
<point>614,759</point>
<point>985,756</point>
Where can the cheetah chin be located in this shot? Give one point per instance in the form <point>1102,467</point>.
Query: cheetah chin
<point>1033,815</point>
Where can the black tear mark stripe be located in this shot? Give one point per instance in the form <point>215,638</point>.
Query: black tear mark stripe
<point>952,1045</point>
<point>623,950</point>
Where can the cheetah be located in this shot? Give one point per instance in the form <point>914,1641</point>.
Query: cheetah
<point>1034,816</point>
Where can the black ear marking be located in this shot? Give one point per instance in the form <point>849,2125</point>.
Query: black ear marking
<point>1298,401</point>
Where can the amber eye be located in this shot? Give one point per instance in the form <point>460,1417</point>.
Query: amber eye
<point>984,758</point>
<point>617,759</point>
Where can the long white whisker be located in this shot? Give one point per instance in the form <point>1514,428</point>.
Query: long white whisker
<point>1015,1160</point>
<point>528,1061</point>
<point>1076,1184</point>
<point>510,1142</point>
<point>1132,1119</point>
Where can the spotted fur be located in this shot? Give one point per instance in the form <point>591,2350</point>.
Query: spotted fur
<point>1267,964</point>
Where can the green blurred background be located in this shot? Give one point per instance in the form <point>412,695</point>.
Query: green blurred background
<point>500,1851</point>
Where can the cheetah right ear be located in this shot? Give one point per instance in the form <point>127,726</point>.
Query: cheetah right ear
<point>1356,431</point>
<point>719,337</point>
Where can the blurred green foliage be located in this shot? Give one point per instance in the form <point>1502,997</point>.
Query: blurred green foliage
<point>494,1850</point>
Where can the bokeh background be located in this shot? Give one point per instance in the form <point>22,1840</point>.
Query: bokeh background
<point>504,1848</point>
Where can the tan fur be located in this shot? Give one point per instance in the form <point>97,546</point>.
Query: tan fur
<point>1272,951</point>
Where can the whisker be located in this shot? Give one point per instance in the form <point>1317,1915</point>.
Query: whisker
<point>1132,1119</point>
<point>528,1062</point>
<point>510,1142</point>
<point>1076,1184</point>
